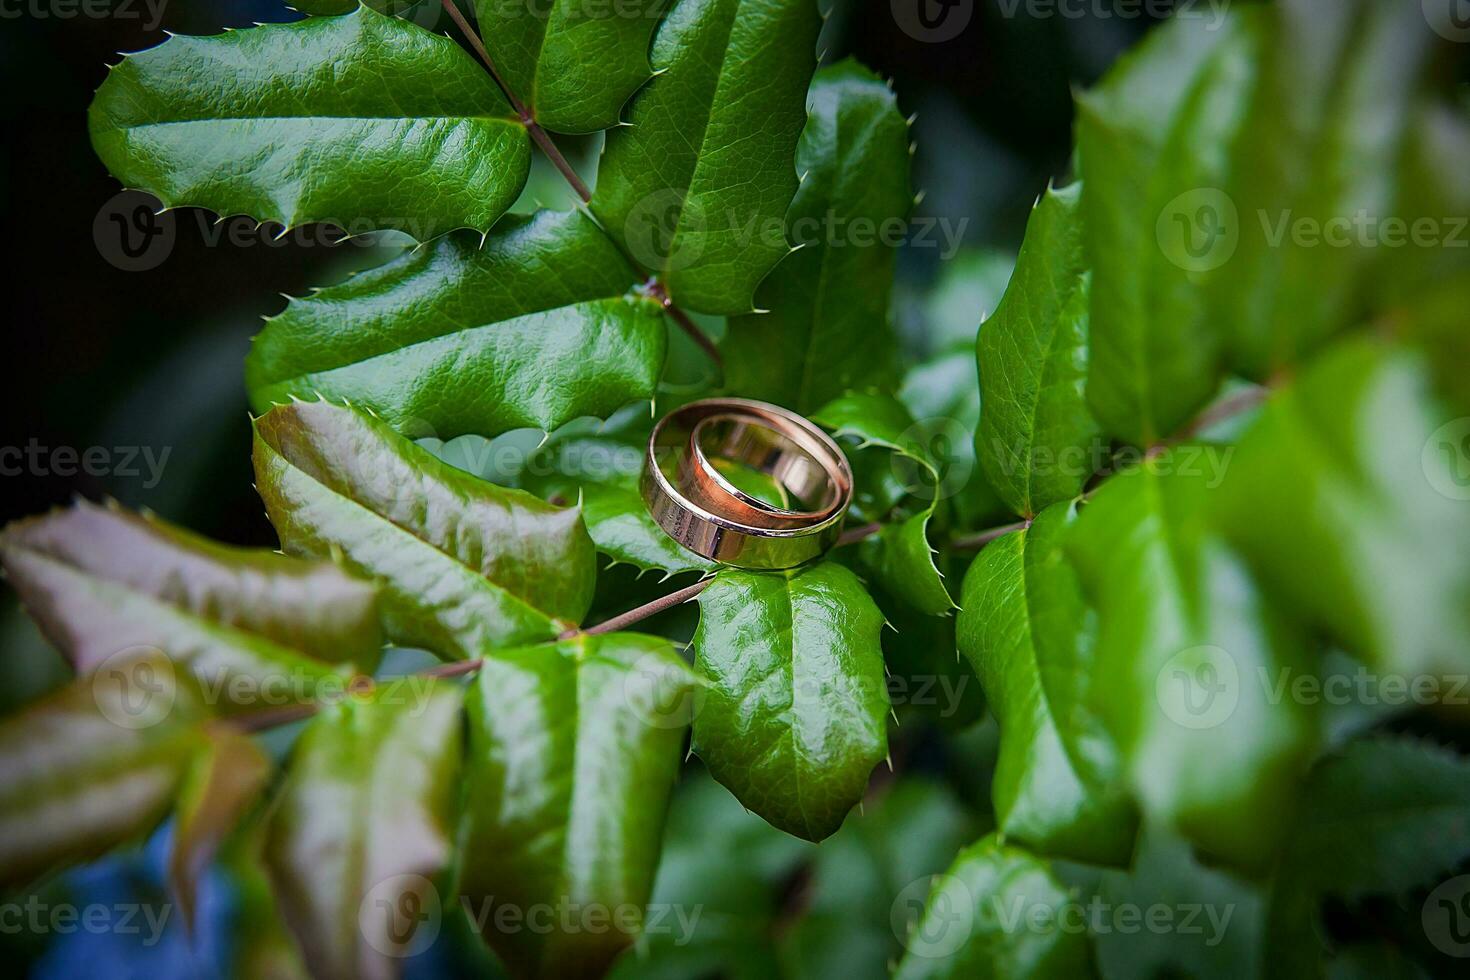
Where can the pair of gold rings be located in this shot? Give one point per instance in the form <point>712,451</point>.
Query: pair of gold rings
<point>692,483</point>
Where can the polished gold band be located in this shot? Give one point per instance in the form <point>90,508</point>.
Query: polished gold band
<point>707,513</point>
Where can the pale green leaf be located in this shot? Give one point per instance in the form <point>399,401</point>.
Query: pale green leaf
<point>1153,140</point>
<point>1189,649</point>
<point>93,766</point>
<point>364,823</point>
<point>574,749</point>
<point>465,565</point>
<point>1326,133</point>
<point>981,920</point>
<point>249,624</point>
<point>1349,497</point>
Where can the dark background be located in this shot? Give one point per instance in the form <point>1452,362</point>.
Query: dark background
<point>99,356</point>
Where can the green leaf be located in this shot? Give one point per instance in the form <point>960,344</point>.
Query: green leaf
<point>574,749</point>
<point>101,582</point>
<point>363,121</point>
<point>1037,433</point>
<point>829,300</point>
<point>530,327</point>
<point>928,681</point>
<point>903,838</point>
<point>1386,816</point>
<point>1030,635</point>
<point>1188,654</point>
<point>465,565</point>
<point>982,916</point>
<point>323,8</point>
<point>695,188</point>
<point>1348,495</point>
<point>900,556</point>
<point>1327,125</point>
<point>93,766</point>
<point>604,470</point>
<point>796,715</point>
<point>1209,925</point>
<point>362,825</point>
<point>571,63</point>
<point>226,778</point>
<point>1153,140</point>
<point>735,886</point>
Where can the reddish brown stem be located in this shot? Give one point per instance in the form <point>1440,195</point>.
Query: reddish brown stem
<point>855,534</point>
<point>657,290</point>
<point>647,609</point>
<point>980,540</point>
<point>528,118</point>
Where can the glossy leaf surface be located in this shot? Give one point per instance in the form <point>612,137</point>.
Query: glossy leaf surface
<point>465,565</point>
<point>822,336</point>
<point>1188,649</point>
<point>1037,434</point>
<point>363,121</point>
<point>364,823</point>
<point>571,63</point>
<point>1031,637</point>
<point>1153,158</point>
<point>103,582</point>
<point>532,326</point>
<point>795,718</point>
<point>93,766</point>
<point>574,749</point>
<point>695,189</point>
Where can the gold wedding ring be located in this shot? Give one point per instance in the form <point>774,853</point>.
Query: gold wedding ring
<point>702,507</point>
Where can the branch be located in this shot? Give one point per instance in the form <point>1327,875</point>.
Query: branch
<point>528,118</point>
<point>647,609</point>
<point>656,289</point>
<point>980,540</point>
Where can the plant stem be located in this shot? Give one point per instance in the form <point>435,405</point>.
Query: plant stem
<point>981,539</point>
<point>648,609</point>
<point>528,118</point>
<point>656,289</point>
<point>1236,404</point>
<point>856,534</point>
